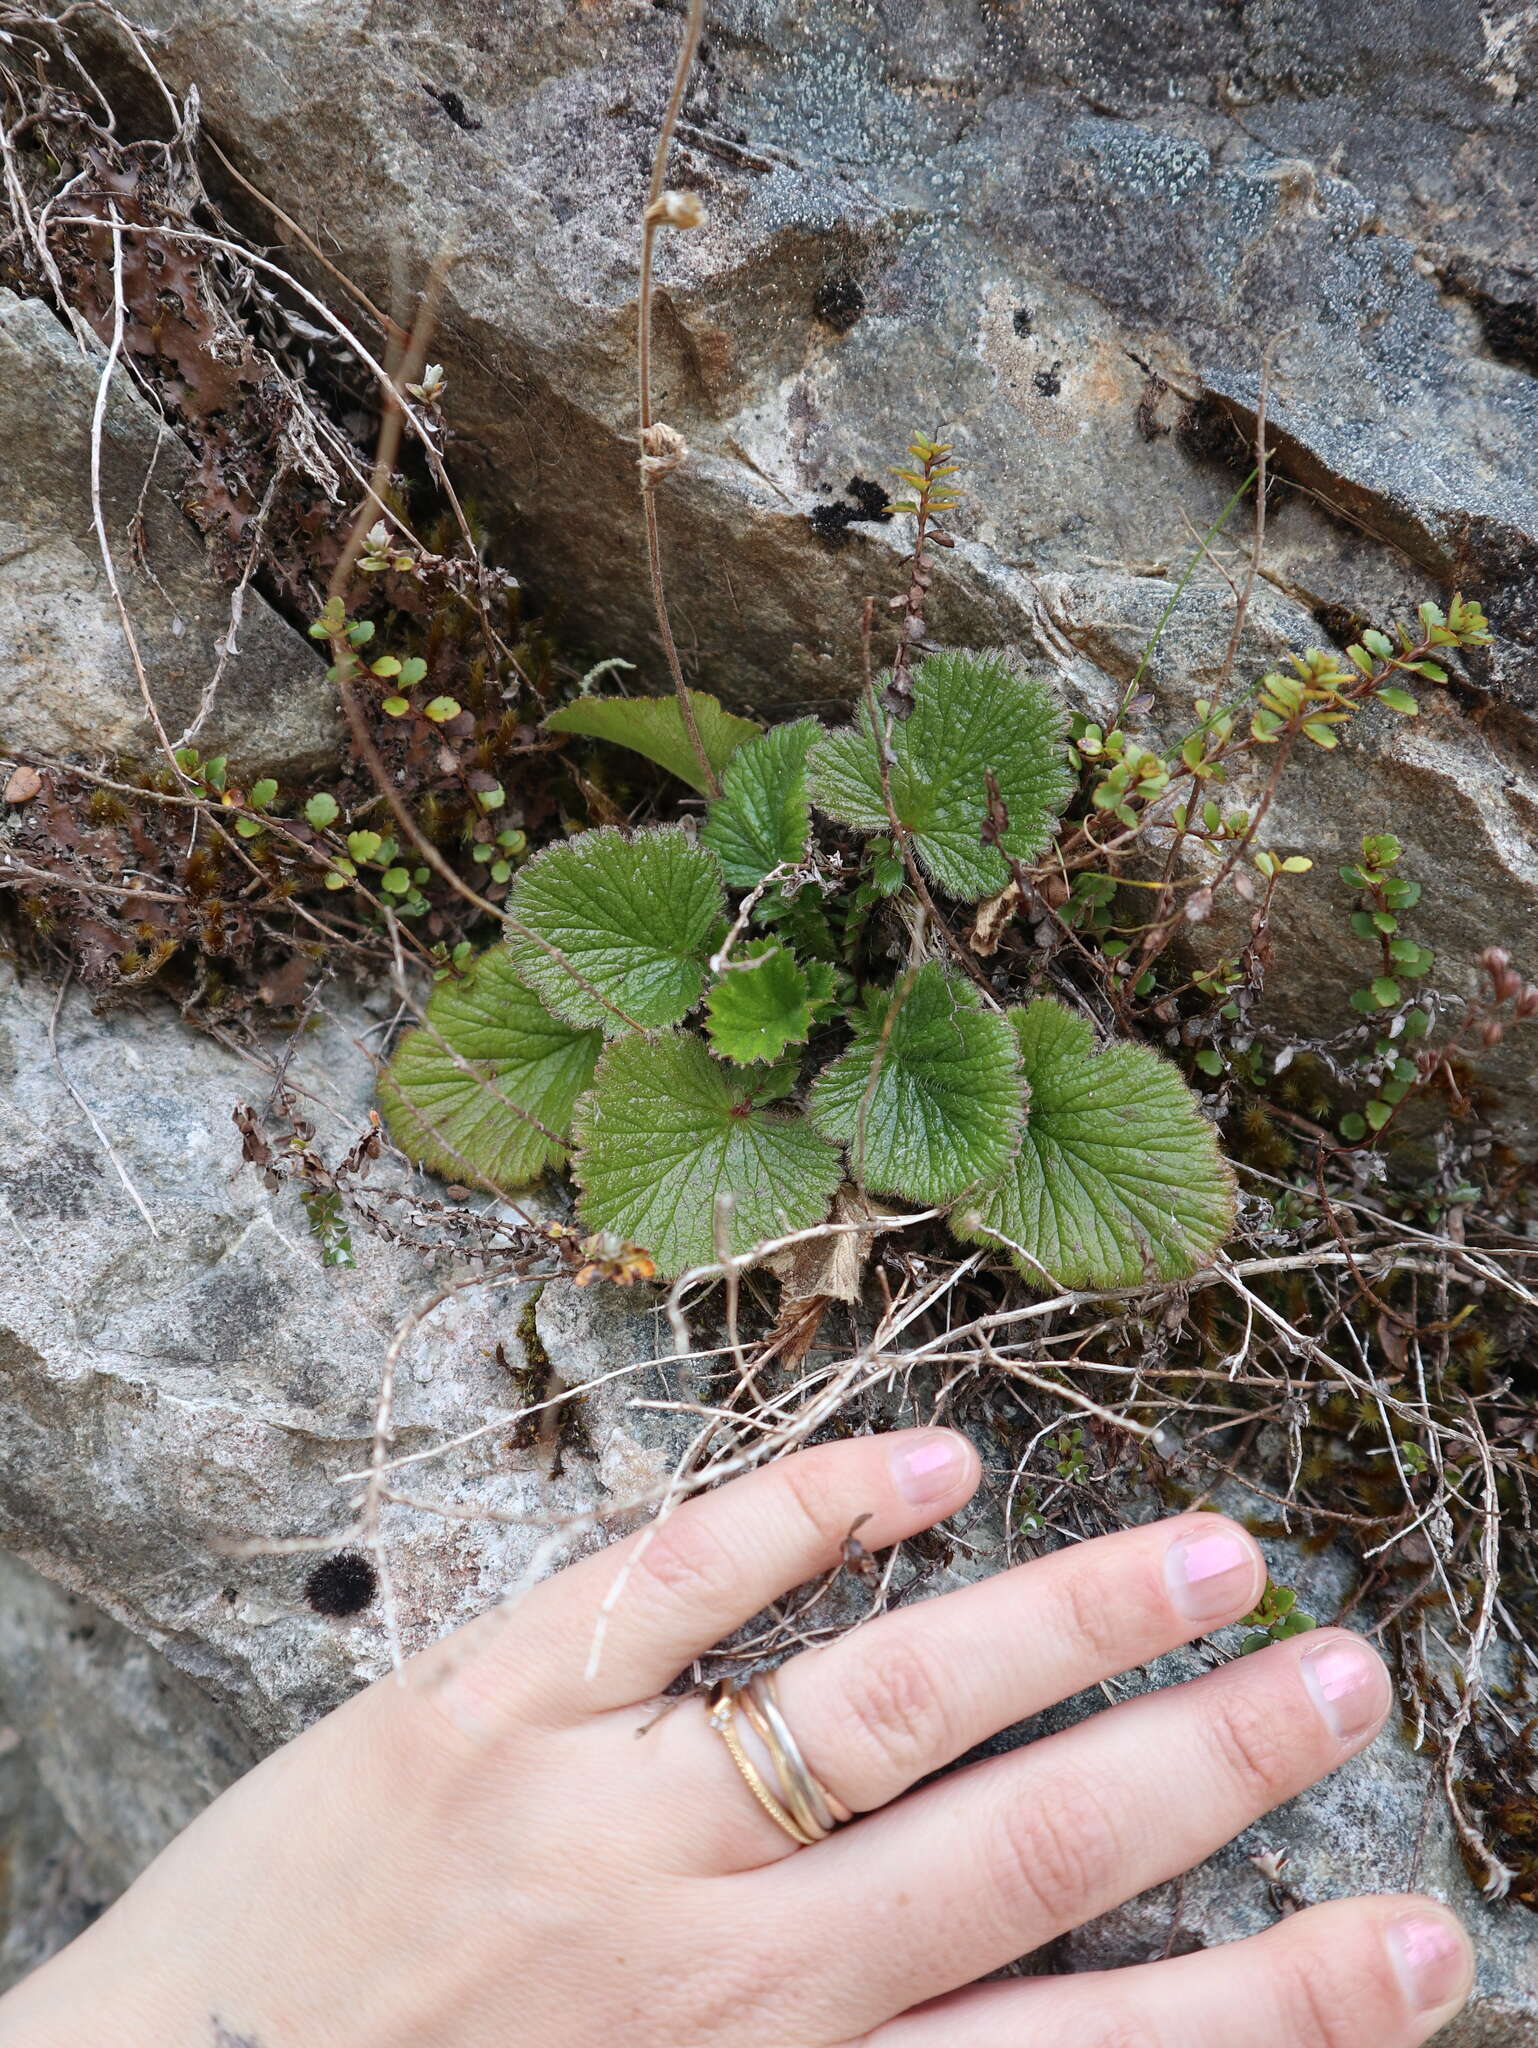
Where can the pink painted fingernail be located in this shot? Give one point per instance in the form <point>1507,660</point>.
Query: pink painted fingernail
<point>930,1469</point>
<point>1432,1956</point>
<point>1348,1684</point>
<point>1213,1574</point>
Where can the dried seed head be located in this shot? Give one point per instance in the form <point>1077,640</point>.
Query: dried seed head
<point>1495,958</point>
<point>1527,1001</point>
<point>1493,1032</point>
<point>663,448</point>
<point>677,210</point>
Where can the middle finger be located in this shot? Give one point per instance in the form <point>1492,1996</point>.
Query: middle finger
<point>916,1689</point>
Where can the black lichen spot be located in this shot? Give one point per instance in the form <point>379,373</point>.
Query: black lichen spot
<point>342,1585</point>
<point>1048,382</point>
<point>1511,332</point>
<point>1022,321</point>
<point>453,106</point>
<point>831,523</point>
<point>870,497</point>
<point>1341,623</point>
<point>839,301</point>
<point>1505,305</point>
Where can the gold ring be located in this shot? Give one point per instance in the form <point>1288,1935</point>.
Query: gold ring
<point>798,1802</point>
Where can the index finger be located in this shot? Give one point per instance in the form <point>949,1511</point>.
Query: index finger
<point>618,1627</point>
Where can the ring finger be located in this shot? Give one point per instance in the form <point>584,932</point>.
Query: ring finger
<point>916,1689</point>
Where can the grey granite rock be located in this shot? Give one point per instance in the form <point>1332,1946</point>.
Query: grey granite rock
<point>211,1375</point>
<point>161,1392</point>
<point>67,679</point>
<point>49,1890</point>
<point>1067,230</point>
<point>149,1725</point>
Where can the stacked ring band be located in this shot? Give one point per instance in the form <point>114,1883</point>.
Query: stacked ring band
<point>797,1801</point>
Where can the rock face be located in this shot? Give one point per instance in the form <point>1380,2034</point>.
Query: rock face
<point>164,1390</point>
<point>210,1374</point>
<point>67,679</point>
<point>50,1892</point>
<point>1059,228</point>
<point>1066,234</point>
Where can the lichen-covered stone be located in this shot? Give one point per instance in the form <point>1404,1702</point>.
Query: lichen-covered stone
<point>68,683</point>
<point>1066,231</point>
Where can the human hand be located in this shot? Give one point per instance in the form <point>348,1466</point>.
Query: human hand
<point>514,1851</point>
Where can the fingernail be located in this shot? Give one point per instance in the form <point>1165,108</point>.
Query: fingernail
<point>930,1469</point>
<point>1432,1957</point>
<point>1211,1573</point>
<point>1348,1684</point>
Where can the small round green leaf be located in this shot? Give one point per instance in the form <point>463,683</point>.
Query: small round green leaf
<point>321,810</point>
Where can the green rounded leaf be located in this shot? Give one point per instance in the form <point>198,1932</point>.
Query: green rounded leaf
<point>1119,1179</point>
<point>483,1089</point>
<point>761,1004</point>
<point>654,726</point>
<point>613,931</point>
<point>321,810</point>
<point>1401,700</point>
<point>762,817</point>
<point>928,1097</point>
<point>665,1129</point>
<point>972,713</point>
